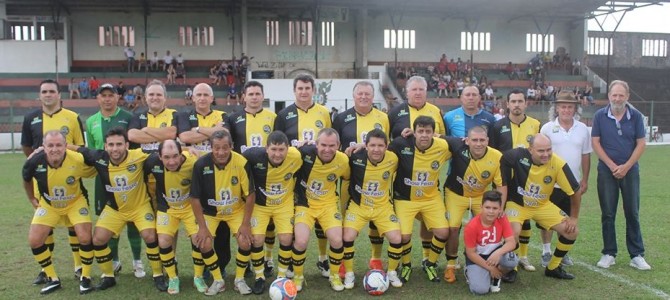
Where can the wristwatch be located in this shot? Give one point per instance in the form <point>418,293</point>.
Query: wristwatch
<point>197,129</point>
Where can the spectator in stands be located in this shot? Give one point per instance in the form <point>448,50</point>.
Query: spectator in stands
<point>451,87</point>
<point>171,74</point>
<point>167,60</point>
<point>84,89</point>
<point>452,67</point>
<point>442,88</point>
<point>531,94</point>
<point>180,73</point>
<point>488,93</point>
<point>93,86</point>
<point>212,73</point>
<point>576,67</point>
<point>551,92</point>
<point>130,57</point>
<point>180,60</point>
<point>232,89</point>
<point>120,89</point>
<point>142,62</point>
<point>188,96</point>
<point>442,65</point>
<point>73,87</point>
<point>460,85</point>
<point>129,99</point>
<point>587,98</point>
<point>154,62</point>
<point>221,73</point>
<point>500,114</point>
<point>139,96</point>
<point>401,80</point>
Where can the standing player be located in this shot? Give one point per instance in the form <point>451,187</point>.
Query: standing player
<point>531,174</point>
<point>372,173</point>
<point>469,115</point>
<point>402,116</point>
<point>273,168</point>
<point>222,190</point>
<point>317,201</point>
<point>511,132</point>
<point>97,125</point>
<point>52,116</point>
<point>150,128</point>
<point>57,172</point>
<point>571,141</point>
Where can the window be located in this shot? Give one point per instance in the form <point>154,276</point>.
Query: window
<point>272,33</point>
<point>401,39</point>
<point>116,36</point>
<point>300,33</point>
<point>599,46</point>
<point>656,48</point>
<point>195,36</point>
<point>536,42</point>
<point>27,33</point>
<point>477,41</point>
<point>328,34</point>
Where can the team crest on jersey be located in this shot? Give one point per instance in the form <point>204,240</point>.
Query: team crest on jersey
<point>132,168</point>
<point>547,179</point>
<point>528,137</point>
<point>458,118</point>
<point>267,129</point>
<point>337,216</point>
<point>185,181</point>
<point>511,212</point>
<point>288,176</point>
<point>378,126</point>
<point>486,174</point>
<point>70,180</point>
<point>253,222</point>
<point>418,193</point>
<point>386,175</point>
<point>562,213</point>
<point>435,165</point>
<point>234,180</point>
<point>331,177</point>
<point>83,211</point>
<point>163,125</point>
<point>394,218</point>
<point>149,217</point>
<point>40,212</point>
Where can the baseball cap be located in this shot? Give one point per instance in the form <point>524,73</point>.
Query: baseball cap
<point>107,86</point>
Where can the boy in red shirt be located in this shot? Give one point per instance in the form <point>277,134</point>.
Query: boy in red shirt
<point>489,245</point>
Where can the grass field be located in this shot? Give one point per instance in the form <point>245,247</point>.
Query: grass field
<point>18,267</point>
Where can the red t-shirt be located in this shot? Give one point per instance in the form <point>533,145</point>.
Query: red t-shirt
<point>486,239</point>
<point>94,84</point>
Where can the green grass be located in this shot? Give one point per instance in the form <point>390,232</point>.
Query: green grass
<point>18,267</point>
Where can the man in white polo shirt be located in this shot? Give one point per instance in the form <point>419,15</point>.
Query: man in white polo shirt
<point>571,140</point>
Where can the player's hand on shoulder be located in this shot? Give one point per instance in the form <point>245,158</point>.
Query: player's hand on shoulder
<point>406,132</point>
<point>35,152</point>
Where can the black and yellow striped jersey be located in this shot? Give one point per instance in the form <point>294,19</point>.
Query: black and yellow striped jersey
<point>61,186</point>
<point>124,188</point>
<point>302,125</point>
<point>167,117</point>
<point>36,123</point>
<point>191,119</point>
<point>222,191</point>
<point>402,116</point>
<point>250,130</point>
<point>470,177</point>
<point>370,184</point>
<point>173,188</point>
<point>274,184</point>
<point>507,135</point>
<point>418,172</point>
<point>531,185</point>
<point>317,181</point>
<point>353,127</point>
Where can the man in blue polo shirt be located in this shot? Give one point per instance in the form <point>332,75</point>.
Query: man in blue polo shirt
<point>618,139</point>
<point>460,120</point>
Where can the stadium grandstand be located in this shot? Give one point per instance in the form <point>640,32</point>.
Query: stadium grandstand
<point>499,46</point>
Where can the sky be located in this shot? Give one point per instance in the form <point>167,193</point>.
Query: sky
<point>653,18</point>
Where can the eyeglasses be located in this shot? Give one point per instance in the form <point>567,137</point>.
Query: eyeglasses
<point>618,128</point>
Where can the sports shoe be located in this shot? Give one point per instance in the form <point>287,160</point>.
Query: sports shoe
<point>138,269</point>
<point>336,283</point>
<point>41,278</point>
<point>639,263</point>
<point>375,264</point>
<point>431,272</point>
<point>77,273</point>
<point>495,285</point>
<point>546,257</point>
<point>105,283</point>
<point>249,271</point>
<point>525,264</point>
<point>117,267</point>
<point>160,284</point>
<point>218,286</point>
<point>567,261</point>
<point>200,285</point>
<point>269,268</point>
<point>349,280</point>
<point>324,268</point>
<point>606,261</point>
<point>558,273</point>
<point>450,274</point>
<point>173,286</point>
<point>289,272</point>
<point>85,286</point>
<point>242,287</point>
<point>299,282</point>
<point>510,277</point>
<point>342,271</point>
<point>50,286</point>
<point>406,272</point>
<point>259,286</point>
<point>458,266</point>
<point>393,278</point>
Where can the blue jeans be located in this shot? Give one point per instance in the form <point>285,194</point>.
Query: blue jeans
<point>608,194</point>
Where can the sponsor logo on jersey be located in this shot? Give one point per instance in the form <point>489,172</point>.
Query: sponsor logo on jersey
<point>406,151</point>
<point>402,112</point>
<point>101,162</point>
<point>524,161</point>
<point>83,211</point>
<point>349,118</point>
<point>36,120</point>
<point>207,171</point>
<point>192,117</point>
<point>132,168</point>
<point>40,169</point>
<point>157,169</point>
<point>291,115</point>
<point>504,129</point>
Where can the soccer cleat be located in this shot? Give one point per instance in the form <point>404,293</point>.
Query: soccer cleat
<point>375,264</point>
<point>138,269</point>
<point>510,276</point>
<point>324,268</point>
<point>558,273</point>
<point>259,286</point>
<point>269,268</point>
<point>50,286</point>
<point>639,263</point>
<point>200,284</point>
<point>242,287</point>
<point>393,279</point>
<point>105,283</point>
<point>289,272</point>
<point>336,283</point>
<point>41,278</point>
<point>606,261</point>
<point>406,271</point>
<point>458,266</point>
<point>495,285</point>
<point>546,257</point>
<point>249,271</point>
<point>77,273</point>
<point>299,282</point>
<point>117,267</point>
<point>85,286</point>
<point>342,271</point>
<point>431,272</point>
<point>526,265</point>
<point>218,286</point>
<point>173,286</point>
<point>450,274</point>
<point>567,261</point>
<point>349,280</point>
<point>160,284</point>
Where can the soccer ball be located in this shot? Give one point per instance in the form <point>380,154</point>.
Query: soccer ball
<point>375,282</point>
<point>283,289</point>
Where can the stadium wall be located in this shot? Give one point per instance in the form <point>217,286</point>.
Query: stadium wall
<point>627,51</point>
<point>33,56</point>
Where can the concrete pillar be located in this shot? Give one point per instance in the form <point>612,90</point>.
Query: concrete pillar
<point>245,26</point>
<point>3,18</point>
<point>361,43</point>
